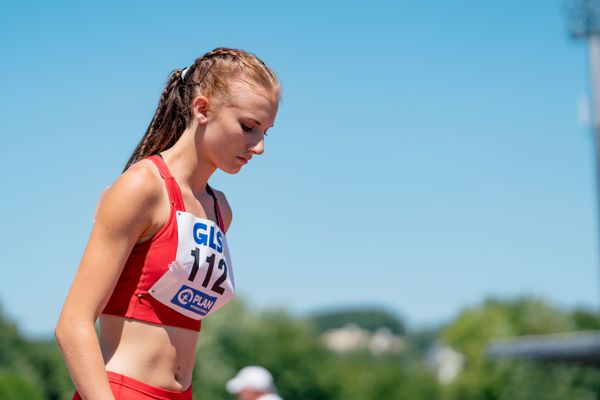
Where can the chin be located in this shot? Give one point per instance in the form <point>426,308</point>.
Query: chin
<point>231,170</point>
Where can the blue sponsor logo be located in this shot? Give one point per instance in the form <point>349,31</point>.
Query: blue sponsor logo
<point>194,300</point>
<point>208,236</point>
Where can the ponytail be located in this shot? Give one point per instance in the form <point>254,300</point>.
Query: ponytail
<point>168,123</point>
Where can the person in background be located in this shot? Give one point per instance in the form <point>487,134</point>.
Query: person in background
<point>253,383</point>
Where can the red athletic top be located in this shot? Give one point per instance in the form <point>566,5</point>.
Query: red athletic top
<point>148,261</point>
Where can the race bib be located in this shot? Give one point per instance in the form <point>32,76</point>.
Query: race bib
<point>200,280</point>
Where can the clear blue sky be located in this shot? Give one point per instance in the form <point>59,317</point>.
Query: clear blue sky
<point>426,154</point>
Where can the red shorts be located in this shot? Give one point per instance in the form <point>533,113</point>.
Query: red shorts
<point>126,388</point>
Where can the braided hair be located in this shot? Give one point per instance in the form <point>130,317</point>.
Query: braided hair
<point>208,75</point>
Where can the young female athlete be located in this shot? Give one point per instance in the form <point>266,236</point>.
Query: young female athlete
<point>157,260</point>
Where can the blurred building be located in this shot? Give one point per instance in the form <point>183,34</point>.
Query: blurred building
<point>445,362</point>
<point>352,337</point>
<point>572,347</point>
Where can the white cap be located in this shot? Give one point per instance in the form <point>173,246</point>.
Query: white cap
<point>252,377</point>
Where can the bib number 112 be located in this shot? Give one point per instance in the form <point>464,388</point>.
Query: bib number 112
<point>216,287</point>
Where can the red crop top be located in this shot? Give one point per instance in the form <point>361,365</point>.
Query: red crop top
<point>148,261</point>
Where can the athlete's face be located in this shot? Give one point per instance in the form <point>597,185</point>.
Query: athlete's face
<point>249,394</point>
<point>236,127</point>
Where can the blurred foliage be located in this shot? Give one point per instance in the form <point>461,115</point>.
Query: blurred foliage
<point>418,344</point>
<point>585,320</point>
<point>368,318</point>
<point>473,328</point>
<point>292,349</point>
<point>30,369</point>
<point>302,367</point>
<point>483,379</point>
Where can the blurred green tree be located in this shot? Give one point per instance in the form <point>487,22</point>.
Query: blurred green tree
<point>291,348</point>
<point>484,379</point>
<point>30,369</point>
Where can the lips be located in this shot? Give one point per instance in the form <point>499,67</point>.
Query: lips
<point>243,160</point>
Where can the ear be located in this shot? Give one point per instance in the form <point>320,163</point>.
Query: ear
<point>200,108</point>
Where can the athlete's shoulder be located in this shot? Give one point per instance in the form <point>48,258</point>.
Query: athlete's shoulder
<point>140,182</point>
<point>134,194</point>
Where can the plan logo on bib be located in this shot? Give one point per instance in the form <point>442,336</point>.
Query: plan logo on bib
<point>193,300</point>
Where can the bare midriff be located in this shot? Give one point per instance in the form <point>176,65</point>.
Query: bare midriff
<point>158,355</point>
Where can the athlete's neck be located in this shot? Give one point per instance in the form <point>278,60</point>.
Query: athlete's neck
<point>187,163</point>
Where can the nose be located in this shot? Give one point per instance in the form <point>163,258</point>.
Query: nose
<point>258,147</point>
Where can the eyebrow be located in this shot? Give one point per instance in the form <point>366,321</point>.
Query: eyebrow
<point>259,124</point>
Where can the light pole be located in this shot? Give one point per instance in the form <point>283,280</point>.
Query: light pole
<point>582,348</point>
<point>584,23</point>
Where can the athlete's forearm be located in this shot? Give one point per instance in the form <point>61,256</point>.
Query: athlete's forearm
<point>80,348</point>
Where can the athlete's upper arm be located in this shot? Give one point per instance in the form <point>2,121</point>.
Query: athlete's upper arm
<point>124,211</point>
<point>226,212</point>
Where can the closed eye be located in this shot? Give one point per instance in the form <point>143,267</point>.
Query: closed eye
<point>246,128</point>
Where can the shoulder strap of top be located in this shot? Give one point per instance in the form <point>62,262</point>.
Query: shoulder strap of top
<point>175,191</point>
<point>217,209</point>
<point>172,186</point>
